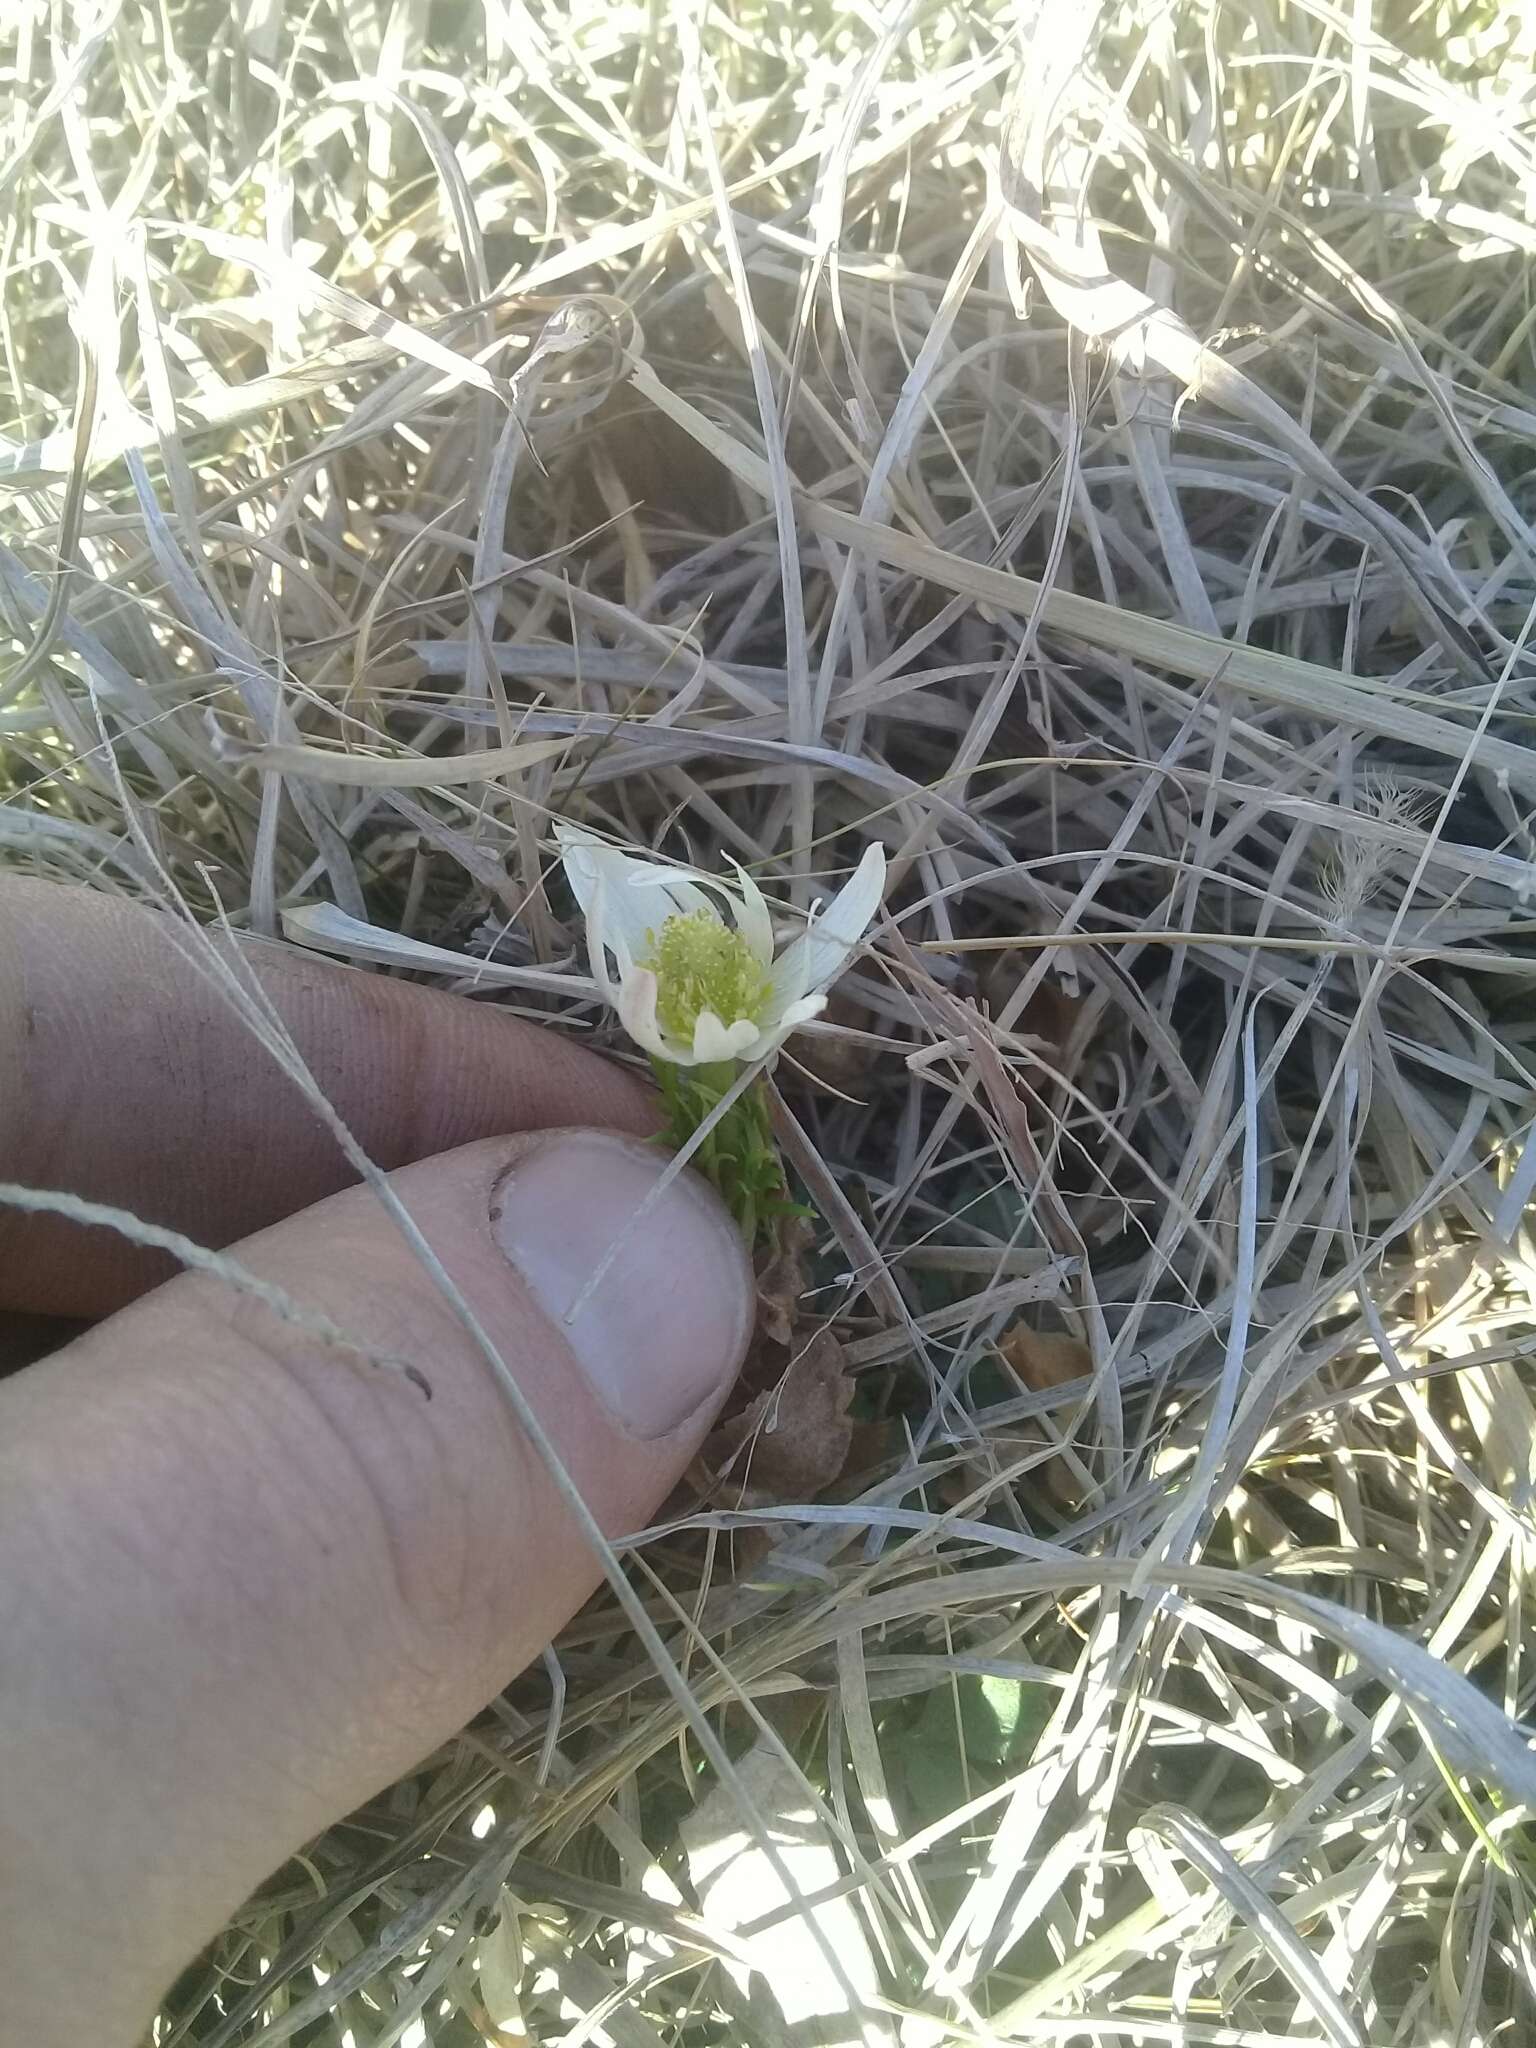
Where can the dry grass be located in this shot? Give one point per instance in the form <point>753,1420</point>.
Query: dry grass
<point>1093,456</point>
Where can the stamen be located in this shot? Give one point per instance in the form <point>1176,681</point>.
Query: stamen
<point>702,964</point>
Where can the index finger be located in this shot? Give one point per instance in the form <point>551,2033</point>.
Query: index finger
<point>126,1077</point>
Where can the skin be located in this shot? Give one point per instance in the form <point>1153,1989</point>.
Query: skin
<point>110,1031</point>
<point>245,1579</point>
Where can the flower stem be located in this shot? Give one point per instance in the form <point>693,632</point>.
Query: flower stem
<point>738,1157</point>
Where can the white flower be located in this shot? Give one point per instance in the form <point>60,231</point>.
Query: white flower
<point>690,986</point>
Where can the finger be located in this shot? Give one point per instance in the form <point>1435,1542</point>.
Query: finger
<point>245,1580</point>
<point>126,1077</point>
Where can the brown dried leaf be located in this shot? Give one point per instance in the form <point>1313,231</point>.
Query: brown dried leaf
<point>791,1441</point>
<point>1045,1358</point>
<point>1042,1359</point>
<point>780,1284</point>
<point>1050,1015</point>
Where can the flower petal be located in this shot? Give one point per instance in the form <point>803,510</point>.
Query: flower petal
<point>598,948</point>
<point>581,873</point>
<point>772,1035</point>
<point>632,919</point>
<point>820,953</point>
<point>678,893</point>
<point>714,1040</point>
<point>586,860</point>
<point>643,894</point>
<point>637,900</point>
<point>615,926</point>
<point>793,1015</point>
<point>752,919</point>
<point>637,1011</point>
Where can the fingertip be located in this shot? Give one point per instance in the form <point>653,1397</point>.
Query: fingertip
<point>637,1268</point>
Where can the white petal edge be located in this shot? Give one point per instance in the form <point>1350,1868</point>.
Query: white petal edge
<point>681,895</point>
<point>801,1012</point>
<point>637,1012</point>
<point>613,928</point>
<point>597,949</point>
<point>588,859</point>
<point>752,918</point>
<point>582,871</point>
<point>783,1026</point>
<point>714,1040</point>
<point>818,956</point>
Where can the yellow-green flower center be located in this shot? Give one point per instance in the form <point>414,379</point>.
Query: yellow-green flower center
<point>701,964</point>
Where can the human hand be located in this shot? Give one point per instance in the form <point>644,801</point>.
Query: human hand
<point>245,1578</point>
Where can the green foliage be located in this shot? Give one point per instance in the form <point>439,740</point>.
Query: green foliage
<point>961,1739</point>
<point>738,1156</point>
<point>946,1747</point>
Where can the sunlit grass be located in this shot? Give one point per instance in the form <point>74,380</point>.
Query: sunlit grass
<point>1095,459</point>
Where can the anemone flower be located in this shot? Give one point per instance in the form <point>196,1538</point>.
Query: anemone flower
<point>688,961</point>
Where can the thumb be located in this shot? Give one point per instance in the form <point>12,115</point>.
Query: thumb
<point>246,1578</point>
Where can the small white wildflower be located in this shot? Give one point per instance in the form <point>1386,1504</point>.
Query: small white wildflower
<point>690,986</point>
